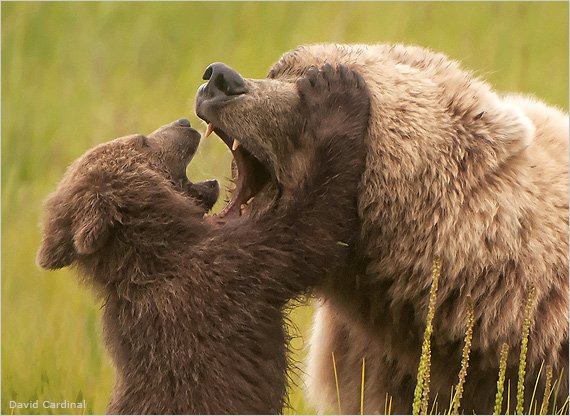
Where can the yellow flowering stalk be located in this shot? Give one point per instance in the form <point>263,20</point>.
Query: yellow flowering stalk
<point>425,393</point>
<point>501,380</point>
<point>464,356</point>
<point>524,348</point>
<point>425,358</point>
<point>547,391</point>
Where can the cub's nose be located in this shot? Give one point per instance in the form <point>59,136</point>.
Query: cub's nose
<point>184,122</point>
<point>222,78</point>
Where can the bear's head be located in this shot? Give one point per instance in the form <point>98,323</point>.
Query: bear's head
<point>260,121</point>
<point>131,183</point>
<point>425,111</point>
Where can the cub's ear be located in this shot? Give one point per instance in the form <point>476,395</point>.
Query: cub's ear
<point>93,224</point>
<point>75,224</point>
<point>55,252</point>
<point>56,249</point>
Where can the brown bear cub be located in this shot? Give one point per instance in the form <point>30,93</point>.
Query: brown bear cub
<point>193,311</point>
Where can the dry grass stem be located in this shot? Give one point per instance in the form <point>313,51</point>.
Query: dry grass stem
<point>362,388</point>
<point>532,402</point>
<point>388,405</point>
<point>508,397</point>
<point>336,383</point>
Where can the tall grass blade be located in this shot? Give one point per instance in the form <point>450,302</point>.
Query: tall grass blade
<point>556,390</point>
<point>501,380</point>
<point>388,405</point>
<point>434,406</point>
<point>362,388</point>
<point>508,397</point>
<point>524,348</point>
<point>451,399</point>
<point>423,367</point>
<point>336,383</point>
<point>562,410</point>
<point>534,391</point>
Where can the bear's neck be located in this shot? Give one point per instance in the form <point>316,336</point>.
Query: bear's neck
<point>435,214</point>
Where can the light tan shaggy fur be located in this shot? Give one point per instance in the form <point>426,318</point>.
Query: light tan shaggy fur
<point>457,171</point>
<point>452,170</point>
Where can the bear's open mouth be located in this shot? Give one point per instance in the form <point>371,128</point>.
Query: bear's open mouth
<point>250,175</point>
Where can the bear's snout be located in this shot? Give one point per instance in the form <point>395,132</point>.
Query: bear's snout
<point>184,122</point>
<point>177,142</point>
<point>222,78</point>
<point>223,81</point>
<point>179,130</point>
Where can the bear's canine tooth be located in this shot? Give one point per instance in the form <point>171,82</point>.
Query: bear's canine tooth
<point>209,130</point>
<point>235,145</point>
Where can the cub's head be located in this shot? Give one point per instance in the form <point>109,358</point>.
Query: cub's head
<point>133,181</point>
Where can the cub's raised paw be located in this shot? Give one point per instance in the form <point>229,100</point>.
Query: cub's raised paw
<point>334,98</point>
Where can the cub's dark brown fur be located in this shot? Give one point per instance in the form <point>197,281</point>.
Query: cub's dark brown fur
<point>193,312</point>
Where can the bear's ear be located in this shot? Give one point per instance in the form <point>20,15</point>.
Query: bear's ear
<point>503,125</point>
<point>511,127</point>
<point>93,224</point>
<point>76,223</point>
<point>56,250</point>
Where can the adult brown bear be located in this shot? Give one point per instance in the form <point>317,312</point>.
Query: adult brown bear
<point>452,170</point>
<point>193,312</point>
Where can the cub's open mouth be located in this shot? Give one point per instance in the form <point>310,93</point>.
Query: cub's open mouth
<point>250,175</point>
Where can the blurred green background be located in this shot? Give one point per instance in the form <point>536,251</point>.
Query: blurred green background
<point>77,74</point>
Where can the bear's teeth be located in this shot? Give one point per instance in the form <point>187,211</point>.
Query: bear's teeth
<point>209,130</point>
<point>235,144</point>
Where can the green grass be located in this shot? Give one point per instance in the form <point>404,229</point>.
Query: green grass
<point>76,74</point>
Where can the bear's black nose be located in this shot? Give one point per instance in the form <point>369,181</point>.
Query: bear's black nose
<point>184,122</point>
<point>224,79</point>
